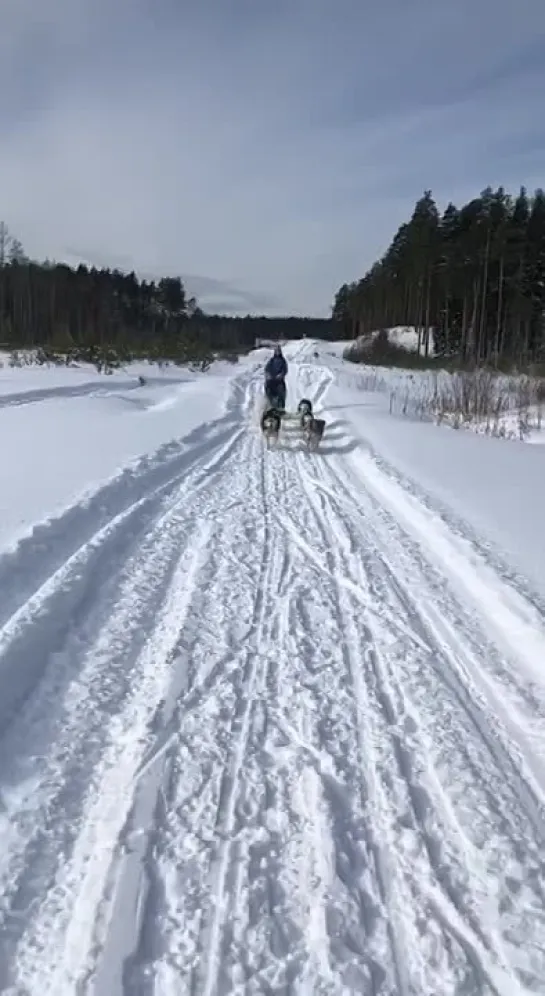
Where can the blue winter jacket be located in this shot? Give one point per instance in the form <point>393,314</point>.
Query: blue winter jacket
<point>276,367</point>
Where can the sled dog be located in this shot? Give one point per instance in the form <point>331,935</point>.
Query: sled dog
<point>313,430</point>
<point>304,408</point>
<point>270,425</point>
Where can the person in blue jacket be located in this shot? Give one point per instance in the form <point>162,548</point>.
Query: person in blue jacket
<point>276,371</point>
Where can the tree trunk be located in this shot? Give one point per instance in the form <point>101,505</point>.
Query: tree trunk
<point>499,338</point>
<point>481,345</point>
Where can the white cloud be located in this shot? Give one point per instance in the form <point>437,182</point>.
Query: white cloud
<point>275,154</point>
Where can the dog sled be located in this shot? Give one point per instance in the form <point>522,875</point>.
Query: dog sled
<point>311,429</point>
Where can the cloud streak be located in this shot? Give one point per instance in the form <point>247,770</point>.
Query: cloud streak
<point>275,148</point>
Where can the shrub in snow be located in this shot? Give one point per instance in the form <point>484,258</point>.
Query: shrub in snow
<point>380,349</point>
<point>508,407</point>
<point>201,365</point>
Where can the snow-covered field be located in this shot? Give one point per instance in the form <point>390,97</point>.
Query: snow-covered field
<point>507,407</point>
<point>270,722</point>
<point>485,401</point>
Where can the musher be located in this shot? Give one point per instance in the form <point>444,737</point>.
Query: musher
<point>275,379</point>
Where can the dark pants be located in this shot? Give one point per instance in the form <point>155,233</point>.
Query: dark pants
<point>275,391</point>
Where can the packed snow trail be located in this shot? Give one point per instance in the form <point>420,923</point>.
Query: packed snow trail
<point>271,746</point>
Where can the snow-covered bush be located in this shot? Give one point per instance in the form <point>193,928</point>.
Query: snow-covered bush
<point>495,404</point>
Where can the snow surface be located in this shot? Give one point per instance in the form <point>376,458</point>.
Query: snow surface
<point>406,337</point>
<point>270,721</point>
<point>513,403</point>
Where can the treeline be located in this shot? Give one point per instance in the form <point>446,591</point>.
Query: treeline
<point>475,274</point>
<point>84,312</point>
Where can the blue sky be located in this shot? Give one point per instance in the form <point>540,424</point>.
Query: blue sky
<point>266,150</point>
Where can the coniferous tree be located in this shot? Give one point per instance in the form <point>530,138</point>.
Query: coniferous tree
<point>475,275</point>
<point>87,313</point>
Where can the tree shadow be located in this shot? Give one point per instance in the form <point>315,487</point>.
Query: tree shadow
<point>338,408</point>
<point>329,448</point>
<point>330,445</point>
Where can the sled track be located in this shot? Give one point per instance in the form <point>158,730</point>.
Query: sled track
<point>89,389</point>
<point>263,751</point>
<point>460,785</point>
<point>80,653</point>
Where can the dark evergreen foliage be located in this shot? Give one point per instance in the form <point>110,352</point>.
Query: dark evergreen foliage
<point>88,313</point>
<point>476,275</point>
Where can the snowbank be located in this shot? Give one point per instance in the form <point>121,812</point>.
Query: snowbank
<point>494,486</point>
<point>508,407</point>
<point>404,336</point>
<point>65,432</point>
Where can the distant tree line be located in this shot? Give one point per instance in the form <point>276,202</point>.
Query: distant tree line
<point>85,313</point>
<point>474,274</point>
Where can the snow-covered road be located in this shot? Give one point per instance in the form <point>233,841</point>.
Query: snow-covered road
<point>268,726</point>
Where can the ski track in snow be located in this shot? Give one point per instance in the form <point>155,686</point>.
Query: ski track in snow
<point>92,388</point>
<point>265,734</point>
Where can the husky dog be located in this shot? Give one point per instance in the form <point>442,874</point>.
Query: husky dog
<point>270,425</point>
<point>304,408</point>
<point>313,430</point>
